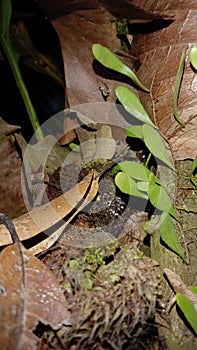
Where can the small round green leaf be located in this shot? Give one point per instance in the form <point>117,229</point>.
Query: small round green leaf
<point>193,57</point>
<point>137,170</point>
<point>193,289</point>
<point>134,169</point>
<point>128,185</point>
<point>74,147</point>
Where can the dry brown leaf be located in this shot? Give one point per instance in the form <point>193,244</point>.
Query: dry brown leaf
<point>119,8</point>
<point>79,25</point>
<point>48,242</point>
<point>179,286</point>
<point>160,53</point>
<point>10,163</point>
<point>69,135</point>
<point>41,218</point>
<point>37,158</point>
<point>29,293</point>
<point>78,31</point>
<point>10,297</point>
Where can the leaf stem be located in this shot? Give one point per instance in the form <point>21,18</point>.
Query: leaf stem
<point>13,57</point>
<point>147,160</point>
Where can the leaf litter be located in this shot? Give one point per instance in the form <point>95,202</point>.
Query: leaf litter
<point>29,294</point>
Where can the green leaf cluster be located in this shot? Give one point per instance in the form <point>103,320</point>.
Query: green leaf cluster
<point>134,178</point>
<point>121,26</point>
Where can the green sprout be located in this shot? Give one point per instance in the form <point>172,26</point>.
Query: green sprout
<point>13,59</point>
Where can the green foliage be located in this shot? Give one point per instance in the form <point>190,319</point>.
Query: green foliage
<point>121,26</point>
<point>93,257</point>
<point>168,234</point>
<point>84,269</point>
<point>109,60</point>
<point>128,185</point>
<point>177,87</point>
<point>160,199</point>
<point>122,30</point>
<point>143,186</point>
<point>74,147</point>
<point>13,59</point>
<point>193,289</point>
<point>135,131</point>
<point>193,57</point>
<point>136,179</point>
<point>188,310</point>
<point>155,144</point>
<point>132,104</point>
<point>136,170</point>
<point>193,172</point>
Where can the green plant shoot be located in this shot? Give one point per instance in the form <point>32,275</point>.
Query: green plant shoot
<point>159,198</point>
<point>13,59</point>
<point>193,171</point>
<point>177,87</point>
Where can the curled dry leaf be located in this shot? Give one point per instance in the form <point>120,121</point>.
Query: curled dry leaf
<point>41,218</point>
<point>29,294</point>
<point>69,135</point>
<point>10,163</point>
<point>49,241</point>
<point>179,286</point>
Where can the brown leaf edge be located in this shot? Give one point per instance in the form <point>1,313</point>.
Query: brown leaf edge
<point>29,293</point>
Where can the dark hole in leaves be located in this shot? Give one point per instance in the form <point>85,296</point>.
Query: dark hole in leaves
<point>40,329</point>
<point>148,27</point>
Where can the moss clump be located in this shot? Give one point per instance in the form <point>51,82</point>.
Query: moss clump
<point>112,299</point>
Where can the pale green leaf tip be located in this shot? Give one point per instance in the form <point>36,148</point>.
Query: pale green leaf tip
<point>193,57</point>
<point>129,73</point>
